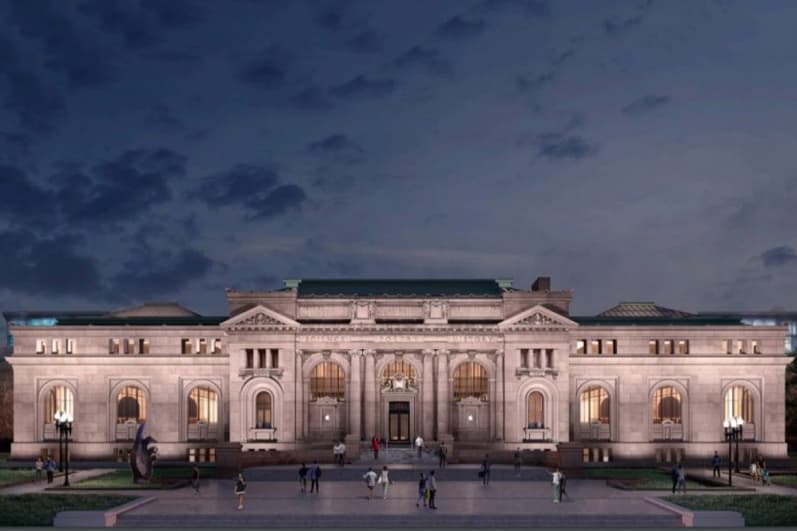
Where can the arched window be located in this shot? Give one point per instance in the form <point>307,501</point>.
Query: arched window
<point>327,381</point>
<point>399,369</point>
<point>739,403</point>
<point>263,410</point>
<point>536,415</point>
<point>59,399</point>
<point>203,406</point>
<point>470,380</point>
<point>666,405</point>
<point>595,405</point>
<point>131,405</point>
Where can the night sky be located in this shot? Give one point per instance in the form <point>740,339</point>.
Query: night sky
<point>167,150</point>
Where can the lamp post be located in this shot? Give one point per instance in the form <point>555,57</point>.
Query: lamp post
<point>56,418</point>
<point>733,432</point>
<point>63,423</point>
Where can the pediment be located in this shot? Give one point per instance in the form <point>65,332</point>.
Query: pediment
<point>538,318</point>
<point>259,318</point>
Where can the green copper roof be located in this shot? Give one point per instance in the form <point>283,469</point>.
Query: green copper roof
<point>399,288</point>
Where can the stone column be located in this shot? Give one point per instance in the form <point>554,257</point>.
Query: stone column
<point>370,395</point>
<point>427,395</point>
<point>355,396</point>
<point>443,394</point>
<point>500,399</point>
<point>493,407</point>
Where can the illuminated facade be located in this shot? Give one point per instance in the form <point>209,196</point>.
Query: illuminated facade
<point>461,361</point>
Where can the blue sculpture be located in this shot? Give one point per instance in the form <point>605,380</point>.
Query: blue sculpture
<point>143,456</point>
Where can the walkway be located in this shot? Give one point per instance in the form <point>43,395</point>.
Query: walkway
<point>41,486</point>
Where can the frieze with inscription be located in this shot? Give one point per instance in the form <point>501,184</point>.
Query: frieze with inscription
<point>397,338</point>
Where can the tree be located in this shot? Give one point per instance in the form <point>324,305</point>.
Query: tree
<point>791,403</point>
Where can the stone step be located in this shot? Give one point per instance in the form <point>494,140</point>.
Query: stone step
<point>425,519</point>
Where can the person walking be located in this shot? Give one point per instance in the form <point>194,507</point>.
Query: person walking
<point>195,480</point>
<point>442,456</point>
<point>240,490</point>
<point>384,479</point>
<point>419,445</point>
<point>556,480</point>
<point>681,479</point>
<point>422,491</point>
<point>485,470</point>
<point>674,477</point>
<point>375,447</point>
<point>50,469</point>
<point>342,454</point>
<point>336,453</point>
<point>370,482</point>
<point>716,462</point>
<point>315,475</point>
<point>563,486</point>
<point>518,462</point>
<point>39,468</point>
<point>303,478</point>
<point>432,490</point>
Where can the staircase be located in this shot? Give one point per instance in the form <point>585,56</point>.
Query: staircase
<point>396,455</point>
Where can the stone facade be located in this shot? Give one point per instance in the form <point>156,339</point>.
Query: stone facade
<point>476,362</point>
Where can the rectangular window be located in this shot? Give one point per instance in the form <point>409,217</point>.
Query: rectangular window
<point>250,358</point>
<point>683,346</point>
<point>70,346</point>
<point>549,358</point>
<point>261,358</point>
<point>143,346</point>
<point>202,346</point>
<point>185,346</point>
<point>755,348</point>
<point>668,346</point>
<point>56,346</point>
<point>113,346</point>
<point>610,346</point>
<point>524,358</point>
<point>217,346</point>
<point>537,358</point>
<point>41,346</point>
<point>727,346</point>
<point>130,346</point>
<point>595,347</point>
<point>275,358</point>
<point>581,346</point>
<point>740,346</point>
<point>653,346</point>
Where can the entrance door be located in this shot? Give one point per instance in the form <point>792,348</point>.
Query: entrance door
<point>399,422</point>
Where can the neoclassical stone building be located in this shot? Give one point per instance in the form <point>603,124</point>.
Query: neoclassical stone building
<point>475,363</point>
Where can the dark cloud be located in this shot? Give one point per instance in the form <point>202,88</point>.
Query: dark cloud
<point>458,28</point>
<point>237,185</point>
<point>83,59</point>
<point>428,59</point>
<point>558,146</point>
<point>23,202</point>
<point>330,180</point>
<point>646,104</point>
<point>50,267</point>
<point>265,73</point>
<point>36,105</point>
<point>617,27</point>
<point>141,24</point>
<point>563,57</point>
<point>14,148</point>
<point>526,83</point>
<point>779,256</point>
<point>311,98</point>
<point>337,148</point>
<point>532,8</point>
<point>364,88</point>
<point>366,41</point>
<point>121,189</point>
<point>330,18</point>
<point>279,201</point>
<point>163,117</point>
<point>153,273</point>
<point>255,188</point>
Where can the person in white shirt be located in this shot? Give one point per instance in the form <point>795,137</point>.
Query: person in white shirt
<point>419,444</point>
<point>336,453</point>
<point>384,479</point>
<point>557,480</point>
<point>342,455</point>
<point>370,481</point>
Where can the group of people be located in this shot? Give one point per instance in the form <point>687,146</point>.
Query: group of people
<point>759,472</point>
<point>339,452</point>
<point>314,472</point>
<point>678,476</point>
<point>47,467</point>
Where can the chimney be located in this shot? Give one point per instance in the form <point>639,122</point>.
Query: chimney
<point>541,284</point>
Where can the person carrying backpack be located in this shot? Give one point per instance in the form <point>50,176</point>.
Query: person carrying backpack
<point>303,478</point>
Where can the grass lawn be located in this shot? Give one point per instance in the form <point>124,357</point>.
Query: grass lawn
<point>757,509</point>
<point>639,478</point>
<point>123,479</point>
<point>788,480</point>
<point>15,475</point>
<point>40,509</point>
